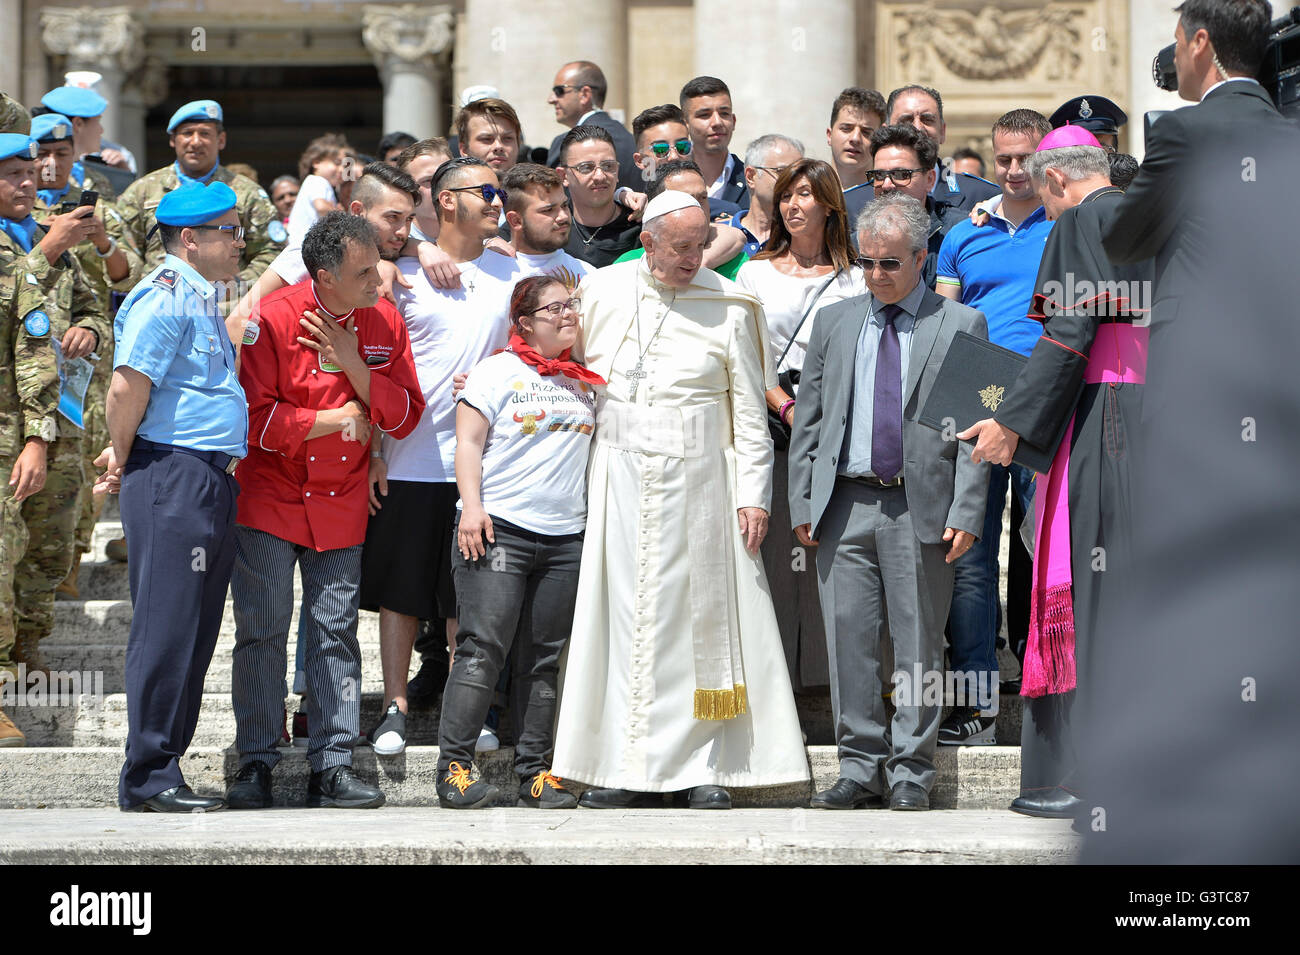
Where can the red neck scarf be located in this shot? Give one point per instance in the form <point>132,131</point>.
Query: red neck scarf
<point>553,366</point>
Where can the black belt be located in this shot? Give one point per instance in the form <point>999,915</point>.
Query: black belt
<point>870,480</point>
<point>218,459</point>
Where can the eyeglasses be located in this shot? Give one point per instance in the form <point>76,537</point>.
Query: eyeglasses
<point>886,265</point>
<point>235,231</point>
<point>486,191</point>
<point>558,308</point>
<point>587,168</point>
<point>559,90</point>
<point>901,177</point>
<point>662,148</point>
<point>775,171</point>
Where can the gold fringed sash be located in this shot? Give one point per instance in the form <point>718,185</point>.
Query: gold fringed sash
<point>721,704</point>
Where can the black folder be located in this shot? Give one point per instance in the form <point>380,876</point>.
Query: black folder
<point>975,377</point>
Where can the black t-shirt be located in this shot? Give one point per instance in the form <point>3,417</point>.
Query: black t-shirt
<point>600,246</point>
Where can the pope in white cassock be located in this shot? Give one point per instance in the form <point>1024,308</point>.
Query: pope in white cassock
<point>675,680</point>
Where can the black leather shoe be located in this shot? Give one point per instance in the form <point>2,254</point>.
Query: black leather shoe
<point>620,799</point>
<point>906,795</point>
<point>339,788</point>
<point>847,794</point>
<point>425,688</point>
<point>1053,803</point>
<point>702,797</point>
<point>179,799</point>
<point>251,788</point>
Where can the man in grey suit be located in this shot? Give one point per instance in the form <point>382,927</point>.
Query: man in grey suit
<point>889,502</point>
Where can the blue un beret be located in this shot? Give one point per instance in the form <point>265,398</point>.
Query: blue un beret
<point>75,101</point>
<point>203,110</point>
<point>16,144</point>
<point>195,205</point>
<point>51,128</point>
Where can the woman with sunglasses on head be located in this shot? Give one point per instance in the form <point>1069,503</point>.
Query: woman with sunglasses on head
<point>805,265</point>
<point>523,429</point>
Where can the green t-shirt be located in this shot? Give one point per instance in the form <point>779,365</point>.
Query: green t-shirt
<point>726,270</point>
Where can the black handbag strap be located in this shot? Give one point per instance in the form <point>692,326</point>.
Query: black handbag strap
<point>806,312</point>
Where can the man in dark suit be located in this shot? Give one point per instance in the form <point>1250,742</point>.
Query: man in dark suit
<point>889,502</point>
<point>578,95</point>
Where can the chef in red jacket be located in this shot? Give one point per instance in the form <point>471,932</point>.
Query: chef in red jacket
<point>327,363</point>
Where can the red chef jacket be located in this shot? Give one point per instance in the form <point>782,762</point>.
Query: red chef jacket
<point>314,493</point>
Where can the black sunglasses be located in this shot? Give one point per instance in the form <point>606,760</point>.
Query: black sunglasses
<point>559,90</point>
<point>886,265</point>
<point>900,176</point>
<point>486,191</point>
<point>661,148</point>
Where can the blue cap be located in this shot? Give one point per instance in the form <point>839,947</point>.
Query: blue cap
<point>195,205</point>
<point>16,144</point>
<point>51,128</point>
<point>203,110</point>
<point>74,101</point>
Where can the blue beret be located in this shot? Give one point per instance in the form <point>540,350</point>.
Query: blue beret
<point>16,144</point>
<point>74,101</point>
<point>195,205</point>
<point>203,110</point>
<point>51,128</point>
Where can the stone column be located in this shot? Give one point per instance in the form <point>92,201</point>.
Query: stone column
<point>519,47</point>
<point>808,57</point>
<point>11,44</point>
<point>144,89</point>
<point>409,43</point>
<point>105,40</point>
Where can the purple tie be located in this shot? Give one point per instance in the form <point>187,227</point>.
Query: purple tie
<point>887,402</point>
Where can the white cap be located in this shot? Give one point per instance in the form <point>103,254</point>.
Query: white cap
<point>471,94</point>
<point>670,200</point>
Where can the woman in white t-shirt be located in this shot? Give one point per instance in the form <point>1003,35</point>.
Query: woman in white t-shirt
<point>524,422</point>
<point>321,169</point>
<point>805,265</point>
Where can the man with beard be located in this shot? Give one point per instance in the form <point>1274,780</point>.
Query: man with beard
<point>1083,381</point>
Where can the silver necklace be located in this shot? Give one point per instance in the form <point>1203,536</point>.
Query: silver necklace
<point>477,268</point>
<point>638,370</point>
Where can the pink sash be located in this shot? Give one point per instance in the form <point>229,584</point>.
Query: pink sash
<point>1118,354</point>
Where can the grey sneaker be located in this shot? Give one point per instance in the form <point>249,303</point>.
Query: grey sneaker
<point>456,790</point>
<point>544,791</point>
<point>389,737</point>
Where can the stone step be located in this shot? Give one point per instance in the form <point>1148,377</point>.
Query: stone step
<point>396,835</point>
<point>967,777</point>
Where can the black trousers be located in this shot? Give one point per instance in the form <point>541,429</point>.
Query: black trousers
<point>178,512</point>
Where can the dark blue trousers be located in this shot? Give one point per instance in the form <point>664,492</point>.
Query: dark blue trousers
<point>178,512</point>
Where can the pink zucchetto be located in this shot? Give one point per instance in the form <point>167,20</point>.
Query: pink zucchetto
<point>1068,136</point>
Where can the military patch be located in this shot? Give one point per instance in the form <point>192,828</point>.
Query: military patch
<point>31,279</point>
<point>276,230</point>
<point>252,331</point>
<point>166,279</point>
<point>213,110</point>
<point>37,324</point>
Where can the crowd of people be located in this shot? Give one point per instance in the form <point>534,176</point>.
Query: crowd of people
<point>632,415</point>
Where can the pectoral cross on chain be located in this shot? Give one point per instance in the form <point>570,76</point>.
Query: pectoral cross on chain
<point>636,374</point>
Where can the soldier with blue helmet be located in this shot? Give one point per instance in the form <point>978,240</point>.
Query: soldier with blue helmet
<point>197,134</point>
<point>179,424</point>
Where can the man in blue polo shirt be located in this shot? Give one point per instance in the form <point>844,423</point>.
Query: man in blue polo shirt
<point>992,267</point>
<point>179,423</point>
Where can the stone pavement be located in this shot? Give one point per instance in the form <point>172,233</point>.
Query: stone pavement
<point>404,836</point>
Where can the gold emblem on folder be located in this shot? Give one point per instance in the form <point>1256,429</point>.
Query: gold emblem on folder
<point>991,396</point>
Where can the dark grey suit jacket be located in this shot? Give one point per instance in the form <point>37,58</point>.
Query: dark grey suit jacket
<point>624,147</point>
<point>944,487</point>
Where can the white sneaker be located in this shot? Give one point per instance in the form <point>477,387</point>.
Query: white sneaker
<point>389,737</point>
<point>487,741</point>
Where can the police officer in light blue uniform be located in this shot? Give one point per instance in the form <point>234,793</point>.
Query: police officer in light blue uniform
<point>179,421</point>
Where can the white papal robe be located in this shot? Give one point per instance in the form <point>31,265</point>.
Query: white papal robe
<point>626,707</point>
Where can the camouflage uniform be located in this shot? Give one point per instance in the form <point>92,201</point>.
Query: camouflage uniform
<point>50,515</point>
<point>256,214</point>
<point>95,435</point>
<point>29,401</point>
<point>14,117</point>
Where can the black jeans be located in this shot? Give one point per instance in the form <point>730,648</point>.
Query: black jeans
<point>519,595</point>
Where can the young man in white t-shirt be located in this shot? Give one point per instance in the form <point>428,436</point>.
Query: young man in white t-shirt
<point>406,567</point>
